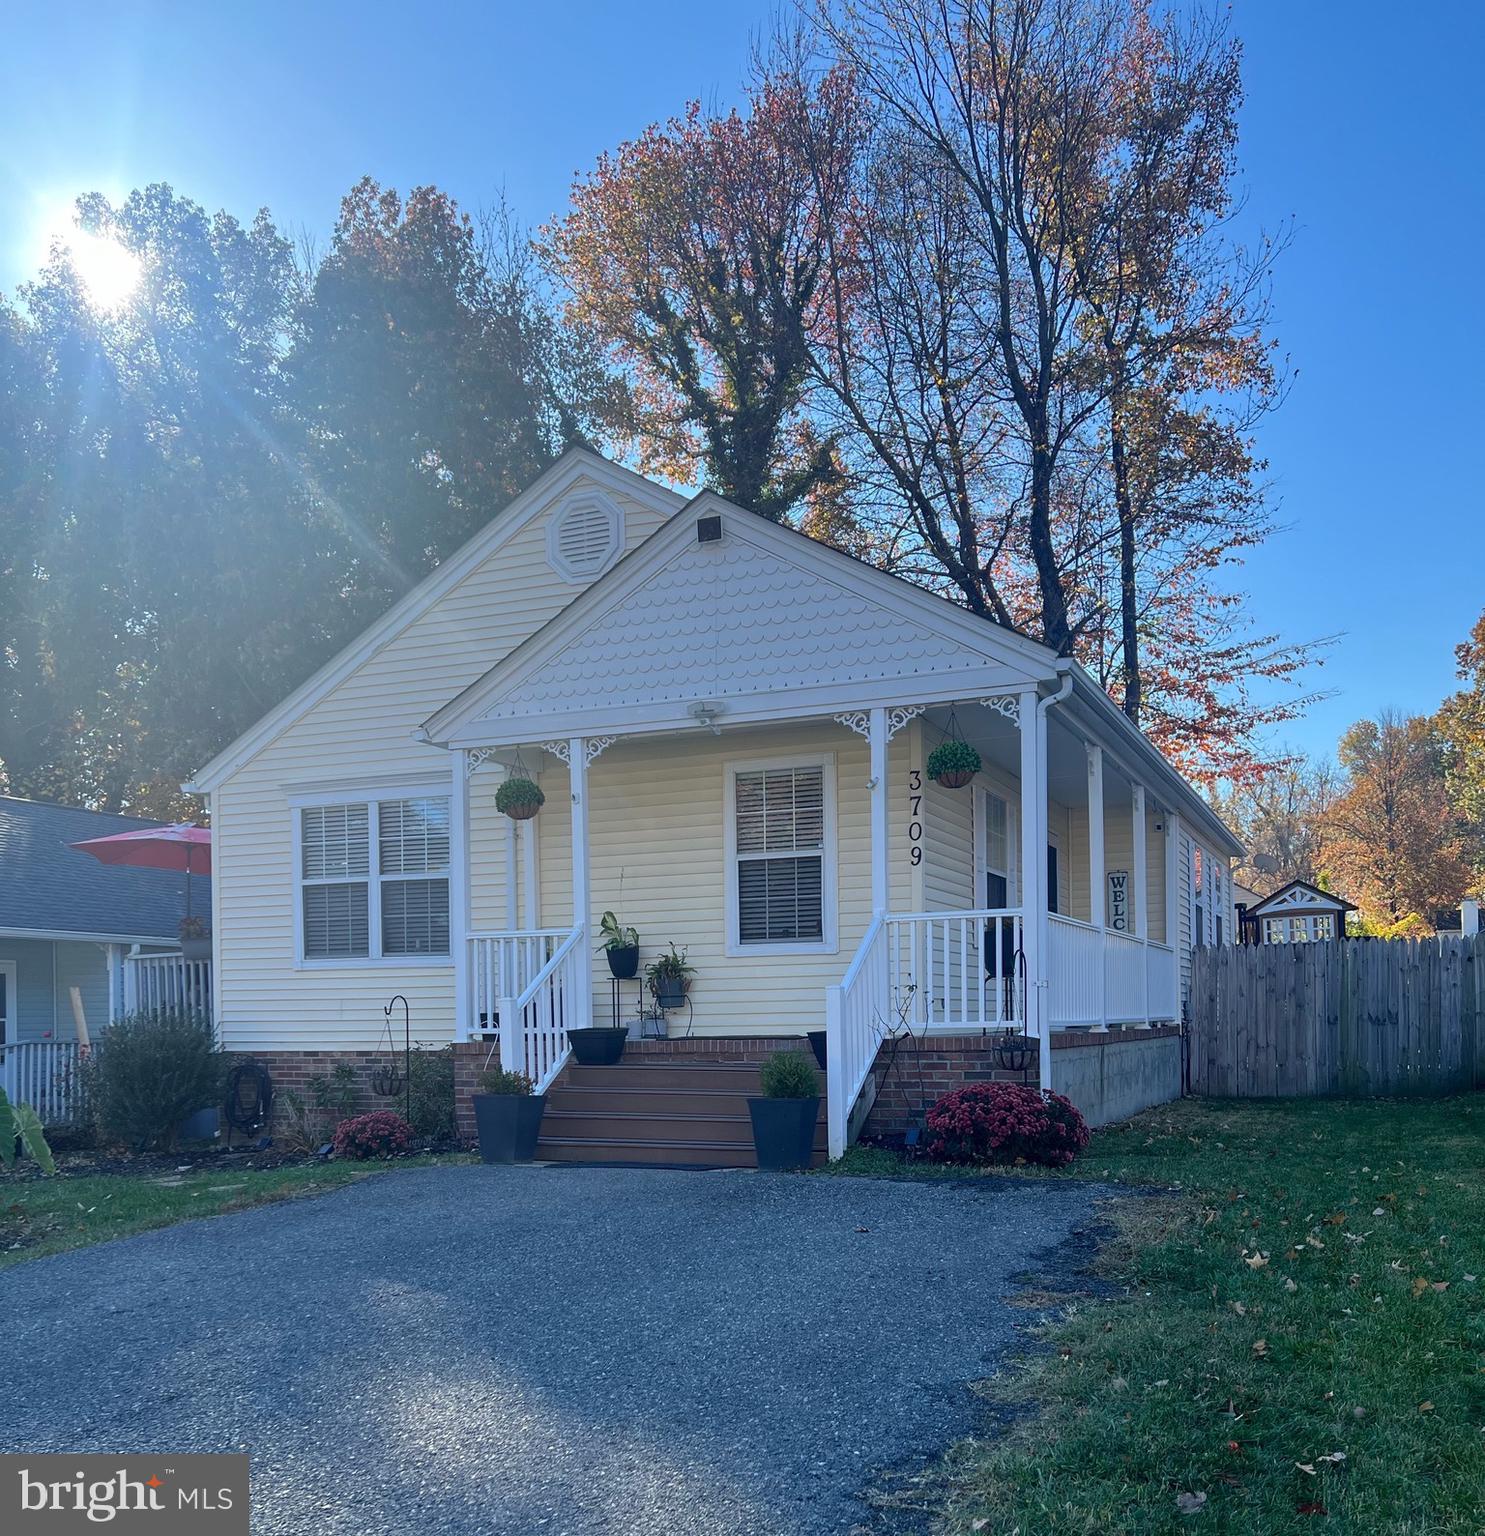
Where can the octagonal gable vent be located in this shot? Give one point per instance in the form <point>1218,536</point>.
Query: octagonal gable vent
<point>584,536</point>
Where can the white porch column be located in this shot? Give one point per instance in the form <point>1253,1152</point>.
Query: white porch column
<point>1098,908</point>
<point>529,834</point>
<point>459,887</point>
<point>877,739</point>
<point>582,900</point>
<point>1034,872</point>
<point>1140,881</point>
<point>512,875</point>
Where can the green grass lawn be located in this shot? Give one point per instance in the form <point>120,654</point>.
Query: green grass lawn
<point>44,1216</point>
<point>1296,1340</point>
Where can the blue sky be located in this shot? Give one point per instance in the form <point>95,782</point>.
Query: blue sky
<point>1361,124</point>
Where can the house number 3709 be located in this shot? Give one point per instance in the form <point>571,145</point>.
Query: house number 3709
<point>915,815</point>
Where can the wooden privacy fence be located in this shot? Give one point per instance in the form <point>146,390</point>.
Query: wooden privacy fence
<point>1352,1017</point>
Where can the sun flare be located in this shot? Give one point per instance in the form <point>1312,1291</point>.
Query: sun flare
<point>108,271</point>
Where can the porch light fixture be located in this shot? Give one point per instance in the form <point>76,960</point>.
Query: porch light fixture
<point>705,712</point>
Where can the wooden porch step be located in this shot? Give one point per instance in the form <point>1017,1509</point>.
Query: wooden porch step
<point>728,1077</point>
<point>603,1124</point>
<point>654,1154</point>
<point>643,1099</point>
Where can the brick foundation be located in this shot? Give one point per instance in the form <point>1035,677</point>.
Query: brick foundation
<point>292,1070</point>
<point>919,1072</point>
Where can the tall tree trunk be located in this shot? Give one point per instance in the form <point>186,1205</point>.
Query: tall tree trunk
<point>1055,629</point>
<point>1129,633</point>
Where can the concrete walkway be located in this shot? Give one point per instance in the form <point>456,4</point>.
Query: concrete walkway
<point>527,1350</point>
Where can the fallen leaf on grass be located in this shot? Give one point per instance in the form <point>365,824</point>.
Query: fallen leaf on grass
<point>1335,1458</point>
<point>1311,1507</point>
<point>1335,1219</point>
<point>1441,1285</point>
<point>1191,1503</point>
<point>1258,1261</point>
<point>1306,1467</point>
<point>1425,1406</point>
<point>1289,1284</point>
<point>1419,1286</point>
<point>1260,1348</point>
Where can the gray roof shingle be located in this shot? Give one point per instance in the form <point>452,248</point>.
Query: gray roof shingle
<point>48,887</point>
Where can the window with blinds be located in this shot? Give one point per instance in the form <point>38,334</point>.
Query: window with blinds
<point>780,851</point>
<point>374,879</point>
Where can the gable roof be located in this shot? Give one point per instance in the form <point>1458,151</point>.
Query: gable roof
<point>1300,896</point>
<point>763,621</point>
<point>47,887</point>
<point>575,462</point>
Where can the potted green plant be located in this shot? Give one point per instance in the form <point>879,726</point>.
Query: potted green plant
<point>953,763</point>
<point>621,945</point>
<point>507,1116</point>
<point>669,978</point>
<point>519,798</point>
<point>784,1118</point>
<point>195,939</point>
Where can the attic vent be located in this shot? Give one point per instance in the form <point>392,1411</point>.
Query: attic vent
<point>708,530</point>
<point>584,536</point>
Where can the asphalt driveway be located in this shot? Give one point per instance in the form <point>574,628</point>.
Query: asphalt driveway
<point>482,1350</point>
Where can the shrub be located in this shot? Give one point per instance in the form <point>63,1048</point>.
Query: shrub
<point>789,1075</point>
<point>498,1080</point>
<point>378,1134</point>
<point>431,1098</point>
<point>20,1123</point>
<point>337,1095</point>
<point>1005,1123</point>
<point>149,1072</point>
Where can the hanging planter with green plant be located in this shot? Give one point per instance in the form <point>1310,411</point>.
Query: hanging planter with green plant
<point>519,798</point>
<point>953,763</point>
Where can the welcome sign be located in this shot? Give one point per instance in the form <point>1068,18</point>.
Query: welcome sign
<point>1119,900</point>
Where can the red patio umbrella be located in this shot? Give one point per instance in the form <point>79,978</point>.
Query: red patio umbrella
<point>183,846</point>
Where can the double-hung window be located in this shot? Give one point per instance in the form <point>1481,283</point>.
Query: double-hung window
<point>374,878</point>
<point>781,856</point>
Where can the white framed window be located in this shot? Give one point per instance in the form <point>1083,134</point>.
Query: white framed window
<point>372,877</point>
<point>779,826</point>
<point>998,883</point>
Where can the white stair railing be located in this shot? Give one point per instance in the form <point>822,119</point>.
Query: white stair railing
<point>46,1074</point>
<point>856,1021</point>
<point>504,964</point>
<point>534,1022</point>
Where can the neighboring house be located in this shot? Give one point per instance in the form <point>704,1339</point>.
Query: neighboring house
<point>67,921</point>
<point>1296,913</point>
<point>730,723</point>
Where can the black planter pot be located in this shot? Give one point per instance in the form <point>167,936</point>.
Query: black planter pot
<point>599,1047</point>
<point>1014,1052</point>
<point>623,961</point>
<point>196,949</point>
<point>508,1125</point>
<point>816,1038</point>
<point>784,1131</point>
<point>670,993</point>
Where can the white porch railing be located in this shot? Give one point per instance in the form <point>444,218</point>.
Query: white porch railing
<point>44,1074</point>
<point>1124,968</point>
<point>537,1045</point>
<point>1099,974</point>
<point>956,970</point>
<point>504,964</point>
<point>167,981</point>
<point>1164,983</point>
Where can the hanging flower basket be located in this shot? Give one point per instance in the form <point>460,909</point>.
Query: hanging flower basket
<point>520,799</point>
<point>1013,1051</point>
<point>953,763</point>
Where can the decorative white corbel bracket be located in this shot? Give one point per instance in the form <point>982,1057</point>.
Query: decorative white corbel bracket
<point>558,749</point>
<point>898,715</point>
<point>1006,704</point>
<point>594,747</point>
<point>476,758</point>
<point>597,746</point>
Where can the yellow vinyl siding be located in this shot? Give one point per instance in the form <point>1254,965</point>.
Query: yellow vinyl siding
<point>359,734</point>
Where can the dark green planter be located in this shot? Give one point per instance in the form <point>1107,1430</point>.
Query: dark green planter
<point>784,1131</point>
<point>670,992</point>
<point>623,961</point>
<point>599,1047</point>
<point>508,1125</point>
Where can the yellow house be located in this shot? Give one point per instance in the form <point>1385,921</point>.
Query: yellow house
<point>730,724</point>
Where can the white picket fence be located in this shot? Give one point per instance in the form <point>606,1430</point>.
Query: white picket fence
<point>167,981</point>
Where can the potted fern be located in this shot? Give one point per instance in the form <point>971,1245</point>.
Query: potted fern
<point>669,978</point>
<point>507,1116</point>
<point>621,946</point>
<point>784,1118</point>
